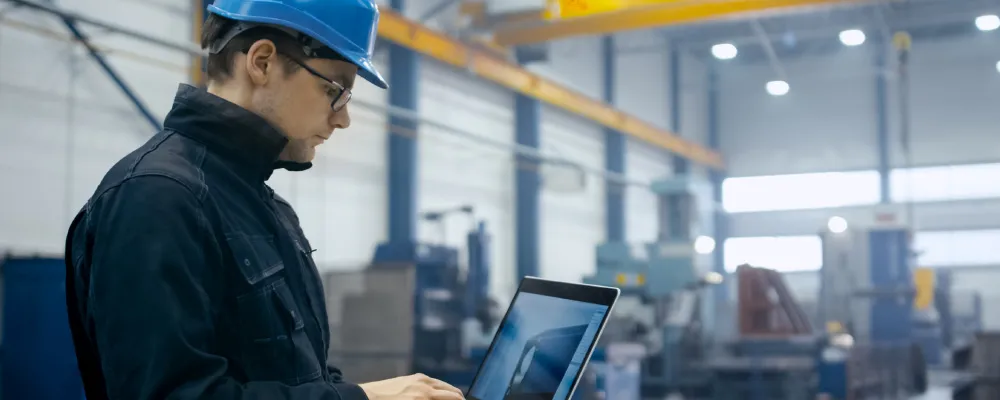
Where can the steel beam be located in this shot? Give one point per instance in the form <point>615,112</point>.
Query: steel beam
<point>680,164</point>
<point>393,27</point>
<point>882,119</point>
<point>437,9</point>
<point>96,55</point>
<point>402,156</point>
<point>614,153</point>
<point>720,219</point>
<point>527,186</point>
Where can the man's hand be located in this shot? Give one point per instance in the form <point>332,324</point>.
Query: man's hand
<point>412,387</point>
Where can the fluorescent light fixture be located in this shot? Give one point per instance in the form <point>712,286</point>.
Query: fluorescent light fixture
<point>988,23</point>
<point>852,37</point>
<point>725,51</point>
<point>778,88</point>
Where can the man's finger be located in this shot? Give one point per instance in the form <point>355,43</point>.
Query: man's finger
<point>446,395</point>
<point>442,385</point>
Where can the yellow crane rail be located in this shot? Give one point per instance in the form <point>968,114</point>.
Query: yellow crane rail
<point>663,13</point>
<point>398,29</point>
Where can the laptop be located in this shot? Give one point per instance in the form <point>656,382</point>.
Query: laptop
<point>544,341</point>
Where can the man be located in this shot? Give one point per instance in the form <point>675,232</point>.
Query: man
<point>187,277</point>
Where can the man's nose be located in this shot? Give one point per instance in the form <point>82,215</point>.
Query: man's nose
<point>340,119</point>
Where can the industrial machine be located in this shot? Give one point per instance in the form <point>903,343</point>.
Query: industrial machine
<point>866,340</point>
<point>416,308</point>
<point>654,340</point>
<point>37,357</point>
<point>960,314</point>
<point>868,291</point>
<point>775,354</point>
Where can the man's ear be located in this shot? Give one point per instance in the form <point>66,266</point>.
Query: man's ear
<point>260,61</point>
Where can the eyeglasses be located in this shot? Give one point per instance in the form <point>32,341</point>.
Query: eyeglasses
<point>339,95</point>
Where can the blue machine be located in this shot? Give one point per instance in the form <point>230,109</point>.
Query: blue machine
<point>659,309</point>
<point>445,299</point>
<point>38,360</point>
<point>867,291</point>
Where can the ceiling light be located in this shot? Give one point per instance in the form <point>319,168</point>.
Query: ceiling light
<point>837,224</point>
<point>704,245</point>
<point>724,51</point>
<point>852,37</point>
<point>988,23</point>
<point>777,88</point>
<point>998,66</point>
<point>713,278</point>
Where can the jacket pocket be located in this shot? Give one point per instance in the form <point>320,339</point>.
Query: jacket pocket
<point>273,344</point>
<point>255,256</point>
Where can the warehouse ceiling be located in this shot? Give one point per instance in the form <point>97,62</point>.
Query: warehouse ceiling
<point>816,33</point>
<point>799,28</point>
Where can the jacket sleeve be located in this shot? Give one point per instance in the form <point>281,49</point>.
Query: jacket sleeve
<point>154,282</point>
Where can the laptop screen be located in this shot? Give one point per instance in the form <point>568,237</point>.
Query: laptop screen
<point>539,349</point>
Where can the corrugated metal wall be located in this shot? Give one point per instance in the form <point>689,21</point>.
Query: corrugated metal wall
<point>456,171</point>
<point>64,122</point>
<point>572,222</point>
<point>54,159</point>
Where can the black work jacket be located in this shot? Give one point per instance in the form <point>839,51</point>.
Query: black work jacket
<point>189,278</point>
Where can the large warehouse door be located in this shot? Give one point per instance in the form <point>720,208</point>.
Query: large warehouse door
<point>572,218</point>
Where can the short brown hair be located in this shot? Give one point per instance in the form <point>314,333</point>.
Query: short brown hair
<point>220,65</point>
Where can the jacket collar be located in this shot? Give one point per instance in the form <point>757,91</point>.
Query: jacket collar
<point>230,131</point>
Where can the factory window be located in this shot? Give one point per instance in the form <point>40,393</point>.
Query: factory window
<point>800,191</point>
<point>781,253</point>
<point>957,248</point>
<point>952,182</point>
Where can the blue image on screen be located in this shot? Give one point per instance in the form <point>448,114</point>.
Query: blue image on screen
<point>539,350</point>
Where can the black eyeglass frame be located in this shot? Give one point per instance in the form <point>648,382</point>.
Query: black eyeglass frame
<point>343,93</point>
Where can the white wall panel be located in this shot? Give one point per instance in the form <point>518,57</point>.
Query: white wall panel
<point>825,123</point>
<point>577,63</point>
<point>828,120</point>
<point>642,81</point>
<point>694,99</point>
<point>955,94</point>
<point>643,163</point>
<point>572,224</point>
<point>456,171</point>
<point>64,122</point>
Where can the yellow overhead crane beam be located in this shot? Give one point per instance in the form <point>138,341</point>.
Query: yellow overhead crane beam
<point>396,28</point>
<point>639,14</point>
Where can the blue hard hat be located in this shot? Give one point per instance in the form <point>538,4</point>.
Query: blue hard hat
<point>348,27</point>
